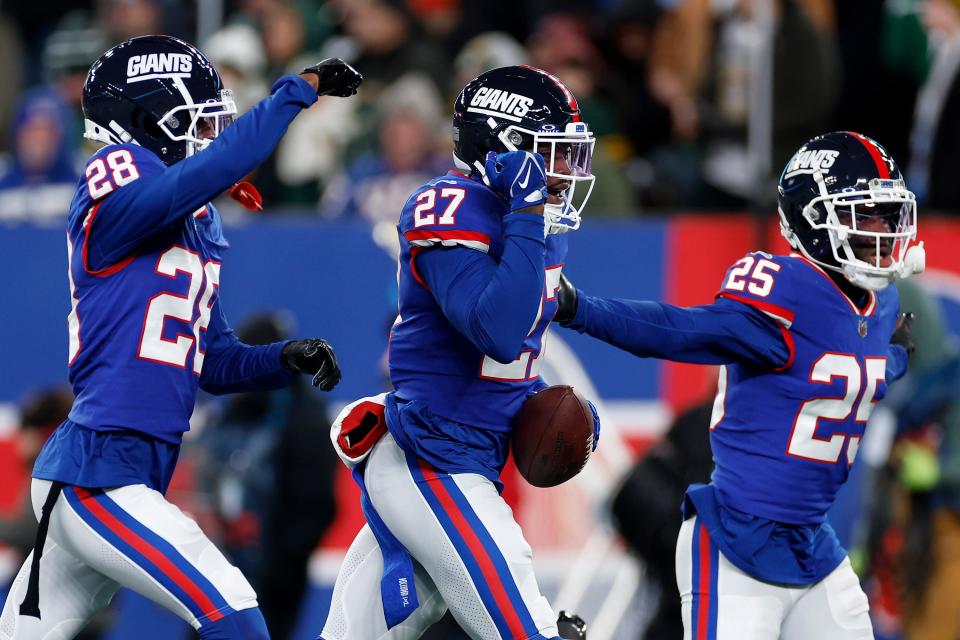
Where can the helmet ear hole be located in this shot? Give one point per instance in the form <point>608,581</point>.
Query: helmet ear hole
<point>141,120</point>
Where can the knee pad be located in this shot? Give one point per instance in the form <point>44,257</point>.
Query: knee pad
<point>247,624</point>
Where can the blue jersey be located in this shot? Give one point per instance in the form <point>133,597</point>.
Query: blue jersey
<point>802,367</point>
<point>146,330</point>
<point>434,366</point>
<point>784,439</point>
<point>140,325</point>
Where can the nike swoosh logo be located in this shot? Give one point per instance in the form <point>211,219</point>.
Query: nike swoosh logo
<point>523,183</point>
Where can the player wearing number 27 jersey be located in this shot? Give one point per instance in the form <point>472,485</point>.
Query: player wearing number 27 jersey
<point>482,249</point>
<point>432,364</point>
<point>146,331</point>
<point>807,344</point>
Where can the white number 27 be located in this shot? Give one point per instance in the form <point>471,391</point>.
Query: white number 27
<point>527,364</point>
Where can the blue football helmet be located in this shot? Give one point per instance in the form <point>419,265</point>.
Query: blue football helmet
<point>158,92</point>
<point>525,108</point>
<point>830,195</point>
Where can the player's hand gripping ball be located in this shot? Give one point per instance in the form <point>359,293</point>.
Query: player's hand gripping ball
<point>335,78</point>
<point>554,433</point>
<point>314,357</point>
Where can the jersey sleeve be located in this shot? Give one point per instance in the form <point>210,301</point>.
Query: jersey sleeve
<point>492,303</point>
<point>718,333</point>
<point>231,366</point>
<point>762,281</point>
<point>450,213</point>
<point>133,194</point>
<point>109,228</point>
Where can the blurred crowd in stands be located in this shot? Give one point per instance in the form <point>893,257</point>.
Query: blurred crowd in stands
<point>668,86</point>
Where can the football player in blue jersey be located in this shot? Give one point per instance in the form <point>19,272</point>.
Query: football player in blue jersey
<point>807,344</point>
<point>146,329</point>
<point>482,248</point>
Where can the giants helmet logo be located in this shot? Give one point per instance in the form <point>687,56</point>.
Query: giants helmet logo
<point>811,161</point>
<point>501,101</point>
<point>158,65</point>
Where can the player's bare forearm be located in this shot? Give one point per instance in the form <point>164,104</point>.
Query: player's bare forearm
<point>312,79</point>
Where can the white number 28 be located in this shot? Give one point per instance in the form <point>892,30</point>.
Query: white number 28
<point>153,346</point>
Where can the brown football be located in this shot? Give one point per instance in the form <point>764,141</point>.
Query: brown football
<point>552,436</point>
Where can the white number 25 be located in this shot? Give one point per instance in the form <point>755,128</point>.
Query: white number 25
<point>803,441</point>
<point>759,282</point>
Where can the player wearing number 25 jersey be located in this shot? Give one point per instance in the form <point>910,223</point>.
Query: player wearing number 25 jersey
<point>481,253</point>
<point>146,330</point>
<point>807,345</point>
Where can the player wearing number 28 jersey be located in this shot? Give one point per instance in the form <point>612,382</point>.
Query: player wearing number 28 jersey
<point>807,345</point>
<point>146,330</point>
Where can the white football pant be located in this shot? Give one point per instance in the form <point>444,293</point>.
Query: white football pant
<point>469,556</point>
<point>100,540</point>
<point>721,602</point>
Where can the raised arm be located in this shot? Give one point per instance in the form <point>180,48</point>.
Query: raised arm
<point>138,195</point>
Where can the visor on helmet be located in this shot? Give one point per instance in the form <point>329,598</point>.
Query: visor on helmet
<point>567,155</point>
<point>869,254</point>
<point>206,121</point>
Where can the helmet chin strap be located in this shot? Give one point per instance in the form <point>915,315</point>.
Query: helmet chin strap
<point>915,261</point>
<point>868,281</point>
<point>552,212</point>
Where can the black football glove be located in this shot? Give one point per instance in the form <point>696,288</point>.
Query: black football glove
<point>571,627</point>
<point>902,334</point>
<point>336,77</point>
<point>567,301</point>
<point>313,357</point>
